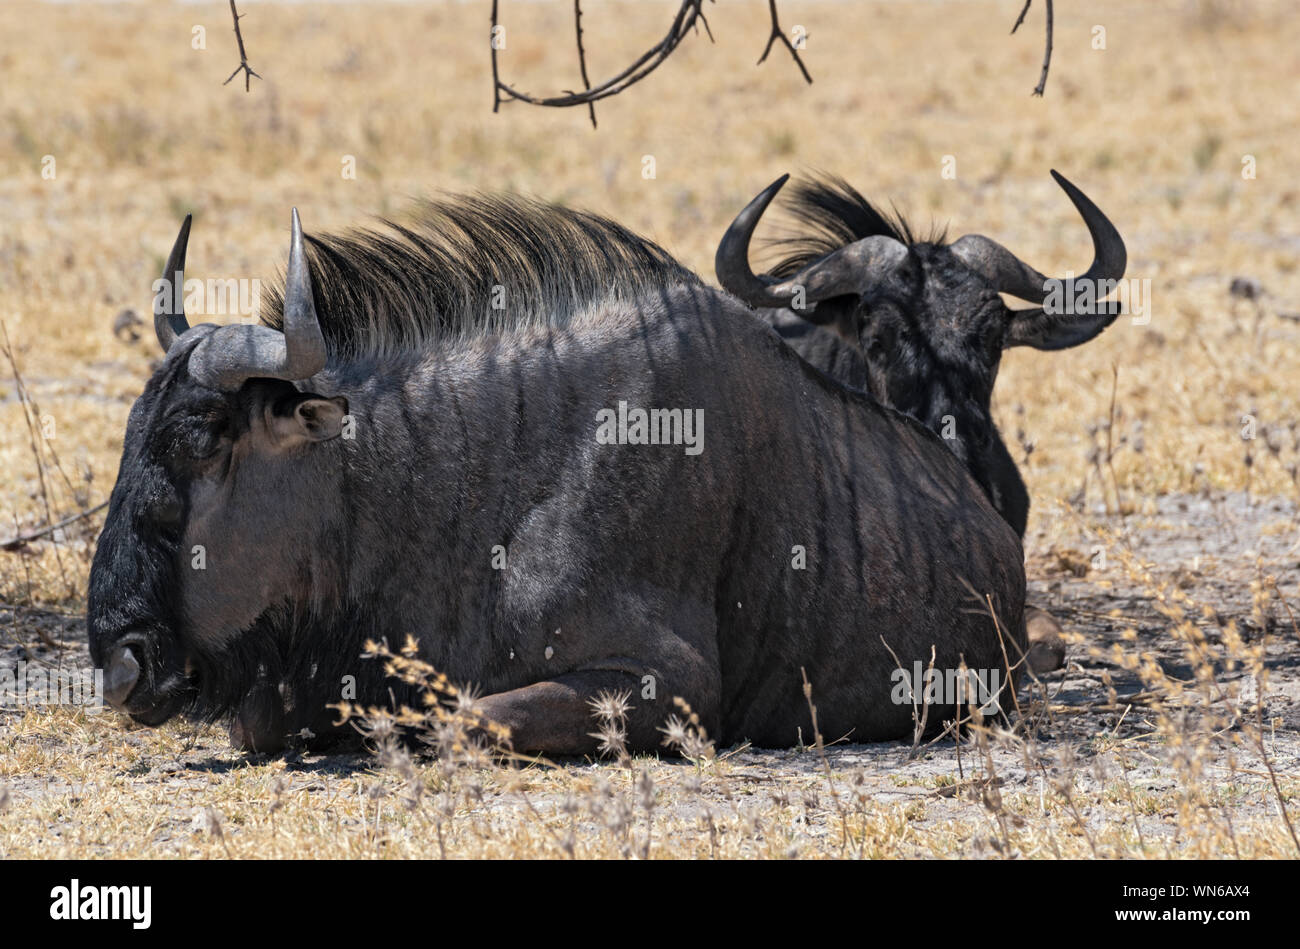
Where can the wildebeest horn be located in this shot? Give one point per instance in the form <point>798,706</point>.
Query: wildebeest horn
<point>847,270</point>
<point>235,353</point>
<point>169,312</point>
<point>1009,274</point>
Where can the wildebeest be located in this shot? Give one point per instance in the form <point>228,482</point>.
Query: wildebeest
<point>919,323</point>
<point>411,443</point>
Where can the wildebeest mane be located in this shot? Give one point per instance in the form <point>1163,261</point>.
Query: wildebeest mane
<point>472,265</point>
<point>834,214</point>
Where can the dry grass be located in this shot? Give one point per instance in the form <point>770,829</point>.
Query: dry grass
<point>1154,127</point>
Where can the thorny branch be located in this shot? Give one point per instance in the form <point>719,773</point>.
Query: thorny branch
<point>690,16</point>
<point>243,57</point>
<point>778,34</point>
<point>1047,54</point>
<point>582,57</point>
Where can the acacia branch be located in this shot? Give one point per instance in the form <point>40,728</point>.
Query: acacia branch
<point>779,34</point>
<point>243,57</point>
<point>689,16</point>
<point>582,56</point>
<point>1021,19</point>
<point>1047,53</point>
<point>496,78</point>
<point>638,70</point>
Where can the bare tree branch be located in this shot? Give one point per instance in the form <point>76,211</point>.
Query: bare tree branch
<point>582,56</point>
<point>1047,54</point>
<point>496,78</point>
<point>779,34</point>
<point>690,16</point>
<point>642,67</point>
<point>15,543</point>
<point>243,57</point>
<point>1021,19</point>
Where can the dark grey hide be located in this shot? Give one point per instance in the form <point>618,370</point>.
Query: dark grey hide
<point>473,430</point>
<point>918,323</point>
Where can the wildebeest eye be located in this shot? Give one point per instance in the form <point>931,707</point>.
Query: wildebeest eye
<point>167,511</point>
<point>203,436</point>
<point>189,435</point>
<point>204,444</point>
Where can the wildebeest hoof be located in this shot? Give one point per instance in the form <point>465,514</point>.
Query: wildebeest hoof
<point>259,724</point>
<point>1046,644</point>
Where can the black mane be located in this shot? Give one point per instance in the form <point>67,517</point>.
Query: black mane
<point>835,215</point>
<point>402,287</point>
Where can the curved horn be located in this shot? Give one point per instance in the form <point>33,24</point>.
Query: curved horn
<point>1009,274</point>
<point>302,331</point>
<point>851,269</point>
<point>1109,256</point>
<point>233,354</point>
<point>847,270</point>
<point>169,312</point>
<point>1004,270</point>
<point>731,262</point>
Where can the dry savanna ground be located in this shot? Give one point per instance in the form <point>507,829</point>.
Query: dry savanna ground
<point>1162,536</point>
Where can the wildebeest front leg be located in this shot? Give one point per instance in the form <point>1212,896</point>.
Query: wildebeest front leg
<point>259,725</point>
<point>555,717</point>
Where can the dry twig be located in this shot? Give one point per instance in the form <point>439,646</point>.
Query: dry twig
<point>689,17</point>
<point>779,34</point>
<point>243,57</point>
<point>582,57</point>
<point>1047,53</point>
<point>17,542</point>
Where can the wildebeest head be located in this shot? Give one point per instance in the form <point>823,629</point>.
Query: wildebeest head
<point>221,456</point>
<point>926,316</point>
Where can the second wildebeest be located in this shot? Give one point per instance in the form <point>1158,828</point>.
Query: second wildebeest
<point>418,442</point>
<point>919,322</point>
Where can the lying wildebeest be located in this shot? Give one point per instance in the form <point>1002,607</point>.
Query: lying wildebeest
<point>421,440</point>
<point>919,323</point>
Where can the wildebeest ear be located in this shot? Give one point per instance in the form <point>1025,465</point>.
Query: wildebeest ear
<point>1041,330</point>
<point>313,419</point>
